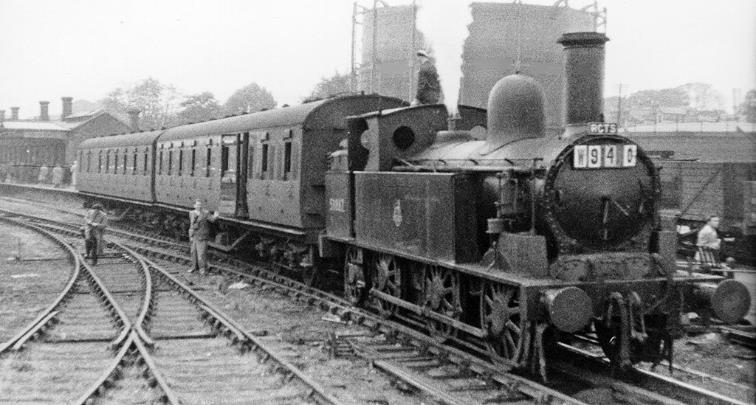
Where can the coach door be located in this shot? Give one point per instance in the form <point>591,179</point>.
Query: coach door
<point>233,167</point>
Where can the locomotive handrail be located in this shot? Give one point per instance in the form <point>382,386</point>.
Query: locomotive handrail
<point>477,169</point>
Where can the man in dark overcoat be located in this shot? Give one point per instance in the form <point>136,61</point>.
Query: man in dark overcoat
<point>199,235</point>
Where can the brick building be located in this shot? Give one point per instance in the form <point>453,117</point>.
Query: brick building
<point>27,145</point>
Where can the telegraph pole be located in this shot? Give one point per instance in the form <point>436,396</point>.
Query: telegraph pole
<point>353,75</point>
<point>375,41</point>
<point>413,49</point>
<point>619,107</point>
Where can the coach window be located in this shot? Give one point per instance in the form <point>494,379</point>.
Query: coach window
<point>99,161</point>
<point>146,156</point>
<point>264,160</point>
<point>160,161</point>
<point>209,157</point>
<point>89,161</point>
<point>107,161</point>
<point>134,166</point>
<point>170,159</point>
<point>125,159</point>
<point>224,159</point>
<point>194,160</point>
<point>287,160</point>
<point>251,159</point>
<point>181,159</point>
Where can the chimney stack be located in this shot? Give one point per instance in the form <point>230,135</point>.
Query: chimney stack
<point>133,118</point>
<point>14,113</point>
<point>67,107</point>
<point>584,77</point>
<point>43,111</point>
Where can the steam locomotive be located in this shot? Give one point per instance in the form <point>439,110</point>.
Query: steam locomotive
<point>486,227</point>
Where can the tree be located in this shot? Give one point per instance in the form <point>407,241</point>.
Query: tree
<point>702,96</point>
<point>747,108</point>
<point>675,97</point>
<point>249,98</point>
<point>155,100</point>
<point>199,107</point>
<point>329,87</point>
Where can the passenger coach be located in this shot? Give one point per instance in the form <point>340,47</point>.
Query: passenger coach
<point>238,165</point>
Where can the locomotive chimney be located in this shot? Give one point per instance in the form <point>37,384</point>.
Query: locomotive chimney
<point>584,74</point>
<point>43,111</point>
<point>67,107</point>
<point>133,118</point>
<point>14,113</point>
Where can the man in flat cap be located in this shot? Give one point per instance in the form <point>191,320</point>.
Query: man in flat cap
<point>428,85</point>
<point>96,222</point>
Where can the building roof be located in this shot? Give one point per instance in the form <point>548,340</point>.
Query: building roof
<point>34,125</point>
<point>88,114</point>
<point>67,124</point>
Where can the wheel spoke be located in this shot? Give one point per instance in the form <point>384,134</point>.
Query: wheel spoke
<point>514,328</point>
<point>510,342</point>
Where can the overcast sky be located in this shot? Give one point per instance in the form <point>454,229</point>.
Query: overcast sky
<point>85,48</point>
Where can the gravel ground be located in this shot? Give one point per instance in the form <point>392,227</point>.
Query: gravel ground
<point>28,285</point>
<point>298,332</point>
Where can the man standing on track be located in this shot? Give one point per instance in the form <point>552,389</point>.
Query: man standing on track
<point>97,221</point>
<point>199,234</point>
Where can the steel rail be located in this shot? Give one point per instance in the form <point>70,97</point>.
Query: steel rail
<point>338,306</point>
<point>665,385</point>
<point>244,340</point>
<point>49,313</point>
<point>107,379</point>
<point>345,310</point>
<point>148,301</point>
<point>169,396</point>
<point>110,303</point>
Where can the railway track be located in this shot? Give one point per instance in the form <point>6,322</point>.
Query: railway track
<point>464,379</point>
<point>171,340</point>
<point>69,345</point>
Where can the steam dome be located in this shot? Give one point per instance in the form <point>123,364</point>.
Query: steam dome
<point>515,109</point>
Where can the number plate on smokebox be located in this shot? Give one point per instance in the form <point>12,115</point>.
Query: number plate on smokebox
<point>603,156</point>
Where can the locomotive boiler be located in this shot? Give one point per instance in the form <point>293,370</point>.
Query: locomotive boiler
<point>493,229</point>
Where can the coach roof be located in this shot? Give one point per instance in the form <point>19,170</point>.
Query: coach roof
<point>279,117</point>
<point>115,141</point>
